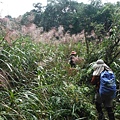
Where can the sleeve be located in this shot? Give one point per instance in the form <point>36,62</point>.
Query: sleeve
<point>95,80</point>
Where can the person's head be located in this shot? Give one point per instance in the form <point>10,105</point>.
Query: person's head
<point>73,53</point>
<point>100,66</point>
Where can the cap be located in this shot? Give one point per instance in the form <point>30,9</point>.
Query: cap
<point>73,53</point>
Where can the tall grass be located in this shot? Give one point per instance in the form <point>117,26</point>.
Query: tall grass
<point>42,85</point>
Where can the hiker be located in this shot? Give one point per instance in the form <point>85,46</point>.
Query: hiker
<point>72,59</point>
<point>107,100</point>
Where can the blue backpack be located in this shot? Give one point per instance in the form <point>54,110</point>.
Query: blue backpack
<point>107,84</point>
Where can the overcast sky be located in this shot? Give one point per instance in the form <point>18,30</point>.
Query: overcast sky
<point>19,7</point>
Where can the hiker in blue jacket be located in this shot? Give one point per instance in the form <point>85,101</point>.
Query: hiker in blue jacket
<point>99,67</point>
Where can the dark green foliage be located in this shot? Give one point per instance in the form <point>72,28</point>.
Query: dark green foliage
<point>44,89</point>
<point>75,16</point>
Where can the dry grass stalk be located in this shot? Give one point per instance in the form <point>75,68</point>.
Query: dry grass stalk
<point>4,82</point>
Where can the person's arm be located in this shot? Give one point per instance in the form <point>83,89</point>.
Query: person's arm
<point>95,80</point>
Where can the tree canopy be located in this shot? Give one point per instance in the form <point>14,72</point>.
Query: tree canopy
<point>75,16</point>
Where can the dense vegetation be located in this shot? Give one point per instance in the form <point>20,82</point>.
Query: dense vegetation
<point>75,16</point>
<point>36,81</point>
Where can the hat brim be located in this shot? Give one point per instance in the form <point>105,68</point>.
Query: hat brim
<point>73,53</point>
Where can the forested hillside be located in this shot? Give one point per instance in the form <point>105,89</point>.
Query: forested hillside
<point>36,80</point>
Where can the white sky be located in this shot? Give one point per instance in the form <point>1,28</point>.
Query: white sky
<point>19,7</point>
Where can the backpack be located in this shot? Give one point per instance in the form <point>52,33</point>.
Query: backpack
<point>107,84</point>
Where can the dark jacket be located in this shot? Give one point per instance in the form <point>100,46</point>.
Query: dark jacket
<point>72,61</point>
<point>96,81</point>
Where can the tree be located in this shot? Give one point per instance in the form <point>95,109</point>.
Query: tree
<point>57,12</point>
<point>113,48</point>
<point>27,18</point>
